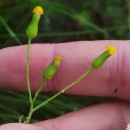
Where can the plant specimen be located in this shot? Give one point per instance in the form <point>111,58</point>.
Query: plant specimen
<point>49,72</point>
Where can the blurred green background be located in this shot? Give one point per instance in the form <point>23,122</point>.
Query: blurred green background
<point>63,21</point>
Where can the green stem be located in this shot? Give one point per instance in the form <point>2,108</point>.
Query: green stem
<point>20,119</point>
<point>28,118</point>
<point>27,71</point>
<point>39,90</point>
<point>63,90</point>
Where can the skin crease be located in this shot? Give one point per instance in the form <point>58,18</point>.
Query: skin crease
<point>113,75</point>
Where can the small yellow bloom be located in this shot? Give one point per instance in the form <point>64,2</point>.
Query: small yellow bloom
<point>52,68</point>
<point>32,28</point>
<point>38,10</point>
<point>99,61</point>
<point>111,50</point>
<point>58,60</point>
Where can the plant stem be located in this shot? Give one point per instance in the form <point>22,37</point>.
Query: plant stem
<point>63,90</point>
<point>20,119</point>
<point>27,71</point>
<point>39,90</point>
<point>28,118</point>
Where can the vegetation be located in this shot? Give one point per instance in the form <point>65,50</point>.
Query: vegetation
<point>63,21</point>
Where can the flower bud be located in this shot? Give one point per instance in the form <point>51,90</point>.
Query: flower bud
<point>32,28</point>
<point>98,62</point>
<point>51,70</point>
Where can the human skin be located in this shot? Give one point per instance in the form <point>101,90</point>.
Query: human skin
<point>112,80</point>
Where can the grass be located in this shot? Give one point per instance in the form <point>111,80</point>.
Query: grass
<point>62,21</point>
<point>10,112</point>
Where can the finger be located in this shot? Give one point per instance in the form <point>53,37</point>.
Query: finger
<point>110,80</point>
<point>18,126</point>
<point>107,116</point>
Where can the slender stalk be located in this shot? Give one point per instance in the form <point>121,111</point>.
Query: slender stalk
<point>63,90</point>
<point>28,118</point>
<point>27,71</point>
<point>32,109</point>
<point>20,119</point>
<point>39,90</point>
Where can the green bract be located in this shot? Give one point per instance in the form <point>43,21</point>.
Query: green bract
<point>50,71</point>
<point>98,62</point>
<point>32,28</point>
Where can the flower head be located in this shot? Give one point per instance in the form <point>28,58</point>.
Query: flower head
<point>38,10</point>
<point>98,62</point>
<point>110,50</point>
<point>52,68</point>
<point>58,59</point>
<point>32,28</point>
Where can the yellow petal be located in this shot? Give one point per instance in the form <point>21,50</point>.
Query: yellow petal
<point>58,59</point>
<point>111,50</point>
<point>38,10</point>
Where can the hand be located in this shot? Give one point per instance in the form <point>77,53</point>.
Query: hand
<point>112,79</point>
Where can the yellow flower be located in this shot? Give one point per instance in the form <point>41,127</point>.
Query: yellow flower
<point>38,10</point>
<point>58,60</point>
<point>32,28</point>
<point>52,68</point>
<point>111,50</point>
<point>98,62</point>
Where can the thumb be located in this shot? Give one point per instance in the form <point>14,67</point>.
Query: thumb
<point>21,126</point>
